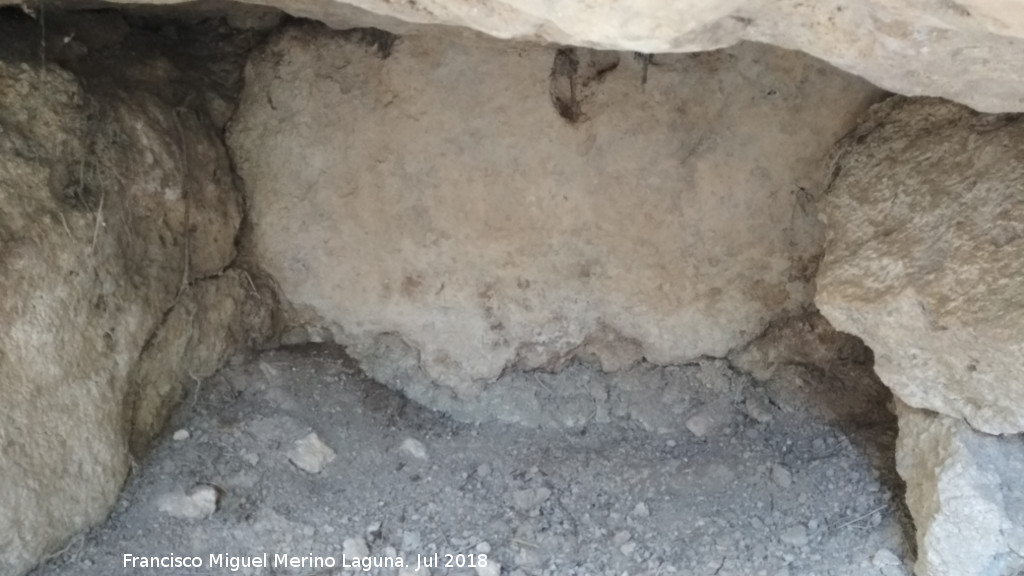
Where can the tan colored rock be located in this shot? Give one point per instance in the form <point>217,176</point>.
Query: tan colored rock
<point>111,205</point>
<point>495,205</point>
<point>965,491</point>
<point>69,327</point>
<point>970,51</point>
<point>212,319</point>
<point>925,256</point>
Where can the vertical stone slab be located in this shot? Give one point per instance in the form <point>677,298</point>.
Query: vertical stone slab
<point>496,205</point>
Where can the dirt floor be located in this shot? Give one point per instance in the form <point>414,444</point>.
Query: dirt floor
<point>235,481</point>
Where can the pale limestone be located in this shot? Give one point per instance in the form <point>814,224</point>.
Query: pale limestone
<point>925,256</point>
<point>436,199</point>
<point>970,51</point>
<point>965,491</point>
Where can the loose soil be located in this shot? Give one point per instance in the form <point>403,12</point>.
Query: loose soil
<point>794,494</point>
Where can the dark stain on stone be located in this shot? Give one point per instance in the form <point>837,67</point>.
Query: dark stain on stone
<point>572,72</point>
<point>379,40</point>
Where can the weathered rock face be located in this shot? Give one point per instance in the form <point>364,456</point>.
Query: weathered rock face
<point>213,319</point>
<point>925,256</point>
<point>807,349</point>
<point>498,205</point>
<point>965,490</point>
<point>115,208</point>
<point>970,51</point>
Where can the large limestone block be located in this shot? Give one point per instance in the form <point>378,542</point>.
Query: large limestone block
<point>500,204</point>
<point>970,51</point>
<point>965,491</point>
<point>110,206</point>
<point>925,256</point>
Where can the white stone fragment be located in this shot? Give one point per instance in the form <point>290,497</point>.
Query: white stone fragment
<point>884,557</point>
<point>199,502</point>
<point>640,510</point>
<point>700,424</point>
<point>529,498</point>
<point>310,454</point>
<point>414,448</point>
<point>795,535</point>
<point>355,547</point>
<point>490,569</point>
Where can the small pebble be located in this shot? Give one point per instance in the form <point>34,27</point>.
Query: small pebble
<point>180,435</point>
<point>795,536</point>
<point>491,569</point>
<point>310,454</point>
<point>411,541</point>
<point>529,499</point>
<point>640,510</point>
<point>355,548</point>
<point>758,408</point>
<point>414,448</point>
<point>200,502</point>
<point>781,476</point>
<point>700,424</point>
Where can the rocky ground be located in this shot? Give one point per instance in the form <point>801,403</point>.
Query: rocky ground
<point>296,453</point>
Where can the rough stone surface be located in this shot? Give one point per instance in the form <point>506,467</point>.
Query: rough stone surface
<point>965,490</point>
<point>801,349</point>
<point>114,206</point>
<point>970,51</point>
<point>211,320</point>
<point>484,205</point>
<point>925,256</point>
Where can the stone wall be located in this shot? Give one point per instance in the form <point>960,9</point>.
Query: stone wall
<point>496,205</point>
<point>118,216</point>
<point>925,262</point>
<point>454,208</point>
